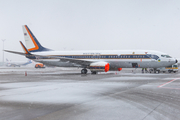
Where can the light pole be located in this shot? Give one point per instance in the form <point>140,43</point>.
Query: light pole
<point>3,49</point>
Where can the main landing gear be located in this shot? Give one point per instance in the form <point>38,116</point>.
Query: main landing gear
<point>84,71</point>
<point>154,70</point>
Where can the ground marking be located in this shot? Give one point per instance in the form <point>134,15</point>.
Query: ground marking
<point>168,82</point>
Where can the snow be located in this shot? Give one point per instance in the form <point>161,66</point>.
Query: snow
<point>53,92</point>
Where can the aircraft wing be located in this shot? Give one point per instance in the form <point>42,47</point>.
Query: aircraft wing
<point>64,59</point>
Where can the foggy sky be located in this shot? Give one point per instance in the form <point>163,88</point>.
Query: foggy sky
<point>92,24</point>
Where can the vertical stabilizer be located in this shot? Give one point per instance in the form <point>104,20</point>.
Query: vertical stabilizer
<point>32,43</point>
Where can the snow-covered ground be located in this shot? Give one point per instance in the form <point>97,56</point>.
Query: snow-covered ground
<point>54,94</point>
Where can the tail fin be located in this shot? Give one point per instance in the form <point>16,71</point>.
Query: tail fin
<point>32,43</point>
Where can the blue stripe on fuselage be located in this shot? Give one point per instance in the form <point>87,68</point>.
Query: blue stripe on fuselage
<point>133,56</point>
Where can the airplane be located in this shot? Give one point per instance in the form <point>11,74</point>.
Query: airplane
<point>17,63</point>
<point>94,60</point>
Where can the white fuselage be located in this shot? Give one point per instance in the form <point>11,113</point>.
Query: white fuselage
<point>116,58</point>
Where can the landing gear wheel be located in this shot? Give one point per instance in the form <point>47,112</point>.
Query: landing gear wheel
<point>150,70</point>
<point>83,71</point>
<point>155,70</point>
<point>93,72</point>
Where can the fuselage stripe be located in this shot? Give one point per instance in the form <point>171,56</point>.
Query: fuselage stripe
<point>98,56</point>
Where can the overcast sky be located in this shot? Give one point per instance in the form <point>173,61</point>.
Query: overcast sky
<point>92,24</point>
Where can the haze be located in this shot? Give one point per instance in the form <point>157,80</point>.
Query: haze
<point>92,24</point>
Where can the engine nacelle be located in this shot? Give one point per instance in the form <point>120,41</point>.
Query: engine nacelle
<point>99,66</point>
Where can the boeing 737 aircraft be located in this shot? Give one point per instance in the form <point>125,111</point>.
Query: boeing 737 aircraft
<point>95,60</point>
<point>17,63</point>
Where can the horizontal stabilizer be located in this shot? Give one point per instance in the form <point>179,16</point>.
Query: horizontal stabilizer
<point>20,53</point>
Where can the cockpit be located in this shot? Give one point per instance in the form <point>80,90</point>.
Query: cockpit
<point>166,56</point>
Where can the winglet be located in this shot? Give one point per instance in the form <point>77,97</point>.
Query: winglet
<point>25,49</point>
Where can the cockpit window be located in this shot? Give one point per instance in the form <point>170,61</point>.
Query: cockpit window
<point>167,56</point>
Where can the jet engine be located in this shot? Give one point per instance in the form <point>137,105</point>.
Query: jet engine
<point>99,66</point>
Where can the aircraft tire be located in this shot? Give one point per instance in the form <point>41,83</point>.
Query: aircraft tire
<point>151,70</point>
<point>93,72</point>
<point>84,71</point>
